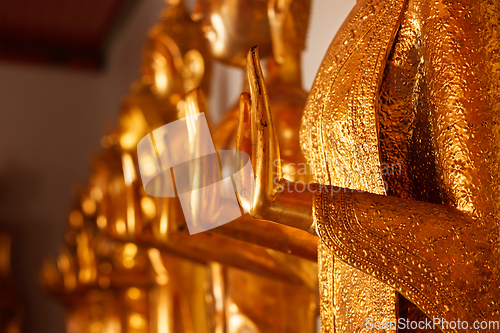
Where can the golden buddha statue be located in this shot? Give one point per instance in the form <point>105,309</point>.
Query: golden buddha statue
<point>175,60</point>
<point>172,64</point>
<point>103,282</point>
<point>164,226</point>
<point>109,280</point>
<point>129,215</point>
<point>412,84</point>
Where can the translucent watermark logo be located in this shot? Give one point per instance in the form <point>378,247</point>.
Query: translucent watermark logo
<point>427,324</point>
<point>340,173</point>
<point>180,159</point>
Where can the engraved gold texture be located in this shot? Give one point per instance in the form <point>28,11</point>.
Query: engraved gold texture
<point>340,140</point>
<point>418,95</point>
<point>326,288</point>
<point>399,244</point>
<point>435,113</point>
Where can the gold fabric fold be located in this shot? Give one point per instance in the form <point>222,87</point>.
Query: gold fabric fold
<point>444,258</point>
<point>434,255</point>
<point>343,103</point>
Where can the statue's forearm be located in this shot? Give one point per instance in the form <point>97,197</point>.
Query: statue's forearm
<point>440,258</point>
<point>291,205</point>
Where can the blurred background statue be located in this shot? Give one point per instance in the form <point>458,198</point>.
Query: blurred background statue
<point>126,248</point>
<point>110,282</point>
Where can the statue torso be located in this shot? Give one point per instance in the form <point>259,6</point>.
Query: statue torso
<point>378,121</point>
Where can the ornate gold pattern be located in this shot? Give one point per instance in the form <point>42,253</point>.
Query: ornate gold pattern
<point>410,99</point>
<point>340,141</point>
<point>326,288</point>
<point>398,244</point>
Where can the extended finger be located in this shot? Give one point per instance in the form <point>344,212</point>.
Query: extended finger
<point>244,134</point>
<point>266,147</point>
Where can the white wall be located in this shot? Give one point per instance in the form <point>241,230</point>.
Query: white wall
<point>327,17</point>
<point>51,121</point>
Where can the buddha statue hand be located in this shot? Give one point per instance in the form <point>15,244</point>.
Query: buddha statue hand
<point>272,198</point>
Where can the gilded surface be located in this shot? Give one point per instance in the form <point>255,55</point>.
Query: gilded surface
<point>419,111</point>
<point>402,246</point>
<point>339,138</point>
<point>110,281</point>
<point>326,288</point>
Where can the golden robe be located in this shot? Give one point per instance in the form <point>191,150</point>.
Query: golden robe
<point>406,108</point>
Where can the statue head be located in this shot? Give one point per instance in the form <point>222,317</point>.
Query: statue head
<point>162,65</point>
<point>232,27</point>
<point>176,58</point>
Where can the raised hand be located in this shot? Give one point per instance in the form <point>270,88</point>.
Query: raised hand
<point>273,198</point>
<point>257,137</point>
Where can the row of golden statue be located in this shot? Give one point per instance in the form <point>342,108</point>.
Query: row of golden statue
<point>409,84</point>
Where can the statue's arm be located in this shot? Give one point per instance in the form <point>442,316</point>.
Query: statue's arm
<point>435,255</point>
